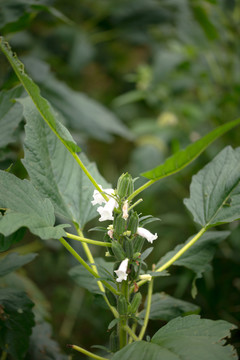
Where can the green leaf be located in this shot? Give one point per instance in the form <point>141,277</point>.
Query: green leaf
<point>84,279</point>
<point>10,115</point>
<point>7,241</point>
<point>182,158</point>
<point>55,173</point>
<point>81,112</point>
<point>41,104</point>
<point>165,307</point>
<point>25,207</point>
<point>12,262</point>
<point>184,338</point>
<point>42,346</point>
<point>16,322</point>
<point>198,257</point>
<point>215,191</point>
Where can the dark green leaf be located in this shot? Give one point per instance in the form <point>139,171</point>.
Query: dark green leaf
<point>198,257</point>
<point>10,115</point>
<point>42,346</point>
<point>215,192</point>
<point>55,173</point>
<point>184,157</point>
<point>84,279</point>
<point>166,307</point>
<point>12,262</point>
<point>16,322</point>
<point>41,104</point>
<point>7,241</point>
<point>26,208</point>
<point>81,112</point>
<point>184,338</point>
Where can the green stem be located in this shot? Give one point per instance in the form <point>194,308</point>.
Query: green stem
<point>148,308</point>
<point>88,241</point>
<point>91,260</point>
<point>131,333</point>
<point>182,251</point>
<point>4,355</point>
<point>87,267</point>
<point>85,352</point>
<point>175,257</point>
<point>133,330</point>
<point>136,203</point>
<point>123,338</point>
<point>85,170</point>
<point>140,189</point>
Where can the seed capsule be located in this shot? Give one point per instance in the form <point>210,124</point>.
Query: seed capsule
<point>118,251</point>
<point>133,223</point>
<point>125,186</point>
<point>135,302</point>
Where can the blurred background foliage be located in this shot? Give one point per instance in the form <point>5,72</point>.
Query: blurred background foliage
<point>134,81</point>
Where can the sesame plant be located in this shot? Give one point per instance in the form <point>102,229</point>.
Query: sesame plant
<point>62,182</point>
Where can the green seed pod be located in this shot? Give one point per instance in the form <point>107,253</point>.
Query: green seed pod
<point>122,305</point>
<point>111,297</point>
<point>128,247</point>
<point>136,255</point>
<point>133,223</point>
<point>136,301</point>
<point>118,251</point>
<point>125,185</point>
<point>113,341</point>
<point>138,243</point>
<point>119,225</point>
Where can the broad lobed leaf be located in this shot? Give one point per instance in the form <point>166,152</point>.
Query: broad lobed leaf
<point>184,157</point>
<point>215,191</point>
<point>166,307</point>
<point>25,207</point>
<point>55,173</point>
<point>184,338</point>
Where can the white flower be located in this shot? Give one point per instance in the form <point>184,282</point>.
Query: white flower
<point>98,198</point>
<point>106,211</point>
<point>122,271</point>
<point>147,234</point>
<point>125,210</point>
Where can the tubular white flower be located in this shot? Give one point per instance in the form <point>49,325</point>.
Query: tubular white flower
<point>125,210</point>
<point>147,234</point>
<point>122,271</point>
<point>106,211</point>
<point>98,198</point>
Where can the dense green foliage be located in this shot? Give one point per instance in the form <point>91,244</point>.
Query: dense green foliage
<point>128,84</point>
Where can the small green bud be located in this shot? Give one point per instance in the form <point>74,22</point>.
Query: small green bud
<point>119,225</point>
<point>137,299</point>
<point>118,251</point>
<point>125,185</point>
<point>133,222</point>
<point>122,305</point>
<point>128,247</point>
<point>136,255</point>
<point>138,243</point>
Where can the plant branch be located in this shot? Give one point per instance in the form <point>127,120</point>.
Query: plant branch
<point>86,352</point>
<point>140,189</point>
<point>131,333</point>
<point>87,267</point>
<point>88,241</point>
<point>146,318</point>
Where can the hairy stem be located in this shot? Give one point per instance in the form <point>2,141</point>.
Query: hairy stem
<point>148,308</point>
<point>130,332</point>
<point>123,335</point>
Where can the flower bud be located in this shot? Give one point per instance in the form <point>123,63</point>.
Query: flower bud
<point>133,223</point>
<point>125,185</point>
<point>119,225</point>
<point>118,251</point>
<point>135,302</point>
